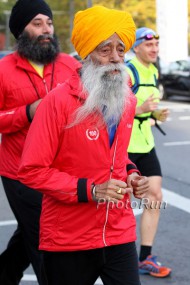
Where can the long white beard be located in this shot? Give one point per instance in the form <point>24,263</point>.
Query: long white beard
<point>107,92</point>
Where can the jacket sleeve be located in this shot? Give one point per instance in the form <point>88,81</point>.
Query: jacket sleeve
<point>11,120</point>
<point>41,148</point>
<point>131,167</point>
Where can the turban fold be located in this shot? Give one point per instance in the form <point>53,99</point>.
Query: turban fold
<point>95,25</point>
<point>141,32</point>
<point>24,11</point>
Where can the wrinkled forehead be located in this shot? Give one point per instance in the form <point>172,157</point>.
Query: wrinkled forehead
<point>113,40</point>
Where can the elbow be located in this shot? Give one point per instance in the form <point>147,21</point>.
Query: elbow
<point>24,175</point>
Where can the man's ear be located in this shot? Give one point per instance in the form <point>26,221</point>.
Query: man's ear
<point>135,49</point>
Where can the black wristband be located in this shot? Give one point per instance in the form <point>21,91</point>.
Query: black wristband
<point>131,167</point>
<point>28,113</point>
<point>82,190</point>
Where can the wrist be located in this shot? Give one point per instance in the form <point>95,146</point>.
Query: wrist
<point>139,110</point>
<point>133,174</point>
<point>155,114</point>
<point>93,191</point>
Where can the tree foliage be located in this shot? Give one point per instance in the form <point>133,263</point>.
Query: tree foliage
<point>143,12</point>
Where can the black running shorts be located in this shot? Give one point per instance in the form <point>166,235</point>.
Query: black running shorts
<point>147,163</point>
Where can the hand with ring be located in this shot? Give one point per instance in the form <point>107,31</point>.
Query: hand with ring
<point>119,191</point>
<point>112,190</point>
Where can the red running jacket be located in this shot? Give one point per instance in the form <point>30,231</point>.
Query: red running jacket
<point>62,163</point>
<point>21,85</point>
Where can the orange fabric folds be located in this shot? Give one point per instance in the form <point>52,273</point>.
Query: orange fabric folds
<point>95,25</point>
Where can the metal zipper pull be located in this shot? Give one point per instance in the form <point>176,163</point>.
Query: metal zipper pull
<point>45,86</point>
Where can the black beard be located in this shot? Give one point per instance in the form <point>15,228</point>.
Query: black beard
<point>37,51</point>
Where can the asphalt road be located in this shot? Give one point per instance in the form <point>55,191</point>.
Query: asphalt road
<point>172,240</point>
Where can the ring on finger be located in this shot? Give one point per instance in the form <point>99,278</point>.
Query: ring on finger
<point>119,190</point>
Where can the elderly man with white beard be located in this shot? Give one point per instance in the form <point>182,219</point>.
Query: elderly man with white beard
<point>75,154</point>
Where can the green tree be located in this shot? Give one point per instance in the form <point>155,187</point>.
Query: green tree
<point>143,12</point>
<point>64,11</point>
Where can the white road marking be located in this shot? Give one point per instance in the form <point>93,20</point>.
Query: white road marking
<point>98,282</point>
<point>176,143</point>
<point>177,110</point>
<point>29,277</point>
<point>175,107</point>
<point>137,211</point>
<point>173,199</point>
<point>8,223</point>
<point>184,118</point>
<point>176,200</point>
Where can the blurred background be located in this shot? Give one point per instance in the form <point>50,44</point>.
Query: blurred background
<point>169,17</point>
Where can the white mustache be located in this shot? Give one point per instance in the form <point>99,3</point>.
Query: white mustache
<point>107,93</point>
<point>104,69</point>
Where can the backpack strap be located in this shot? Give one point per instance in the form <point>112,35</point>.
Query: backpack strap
<point>135,89</point>
<point>135,73</point>
<point>141,120</point>
<point>156,125</point>
<point>137,83</point>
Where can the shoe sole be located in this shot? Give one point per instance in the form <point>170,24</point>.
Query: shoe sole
<point>158,275</point>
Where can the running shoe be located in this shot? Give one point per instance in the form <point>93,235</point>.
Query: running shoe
<point>154,268</point>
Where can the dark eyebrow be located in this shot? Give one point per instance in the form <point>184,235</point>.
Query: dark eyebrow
<point>40,19</point>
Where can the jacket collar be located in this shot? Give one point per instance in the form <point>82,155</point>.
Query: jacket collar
<point>76,87</point>
<point>23,63</point>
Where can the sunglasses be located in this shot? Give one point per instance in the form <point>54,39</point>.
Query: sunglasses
<point>149,37</point>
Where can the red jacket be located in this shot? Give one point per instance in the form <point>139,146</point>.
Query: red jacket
<point>21,85</point>
<point>62,163</point>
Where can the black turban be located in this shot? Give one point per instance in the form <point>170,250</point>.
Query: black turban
<point>24,11</point>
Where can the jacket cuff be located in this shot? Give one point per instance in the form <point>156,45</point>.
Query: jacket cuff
<point>84,190</point>
<point>132,168</point>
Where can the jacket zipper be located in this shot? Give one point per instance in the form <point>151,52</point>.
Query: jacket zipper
<point>44,81</point>
<point>107,205</point>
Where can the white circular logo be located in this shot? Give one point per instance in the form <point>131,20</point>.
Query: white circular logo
<point>92,134</point>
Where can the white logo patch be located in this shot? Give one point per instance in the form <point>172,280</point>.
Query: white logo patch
<point>92,134</point>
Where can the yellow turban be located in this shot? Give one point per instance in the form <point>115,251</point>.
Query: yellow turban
<point>95,25</point>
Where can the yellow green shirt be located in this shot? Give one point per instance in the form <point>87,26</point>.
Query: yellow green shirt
<point>142,140</point>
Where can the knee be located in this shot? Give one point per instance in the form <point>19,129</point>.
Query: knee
<point>157,196</point>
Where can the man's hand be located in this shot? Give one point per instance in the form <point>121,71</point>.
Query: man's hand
<point>149,105</point>
<point>33,108</point>
<point>112,190</point>
<point>161,114</point>
<point>140,185</point>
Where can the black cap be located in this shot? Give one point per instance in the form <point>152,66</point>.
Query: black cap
<point>24,11</point>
